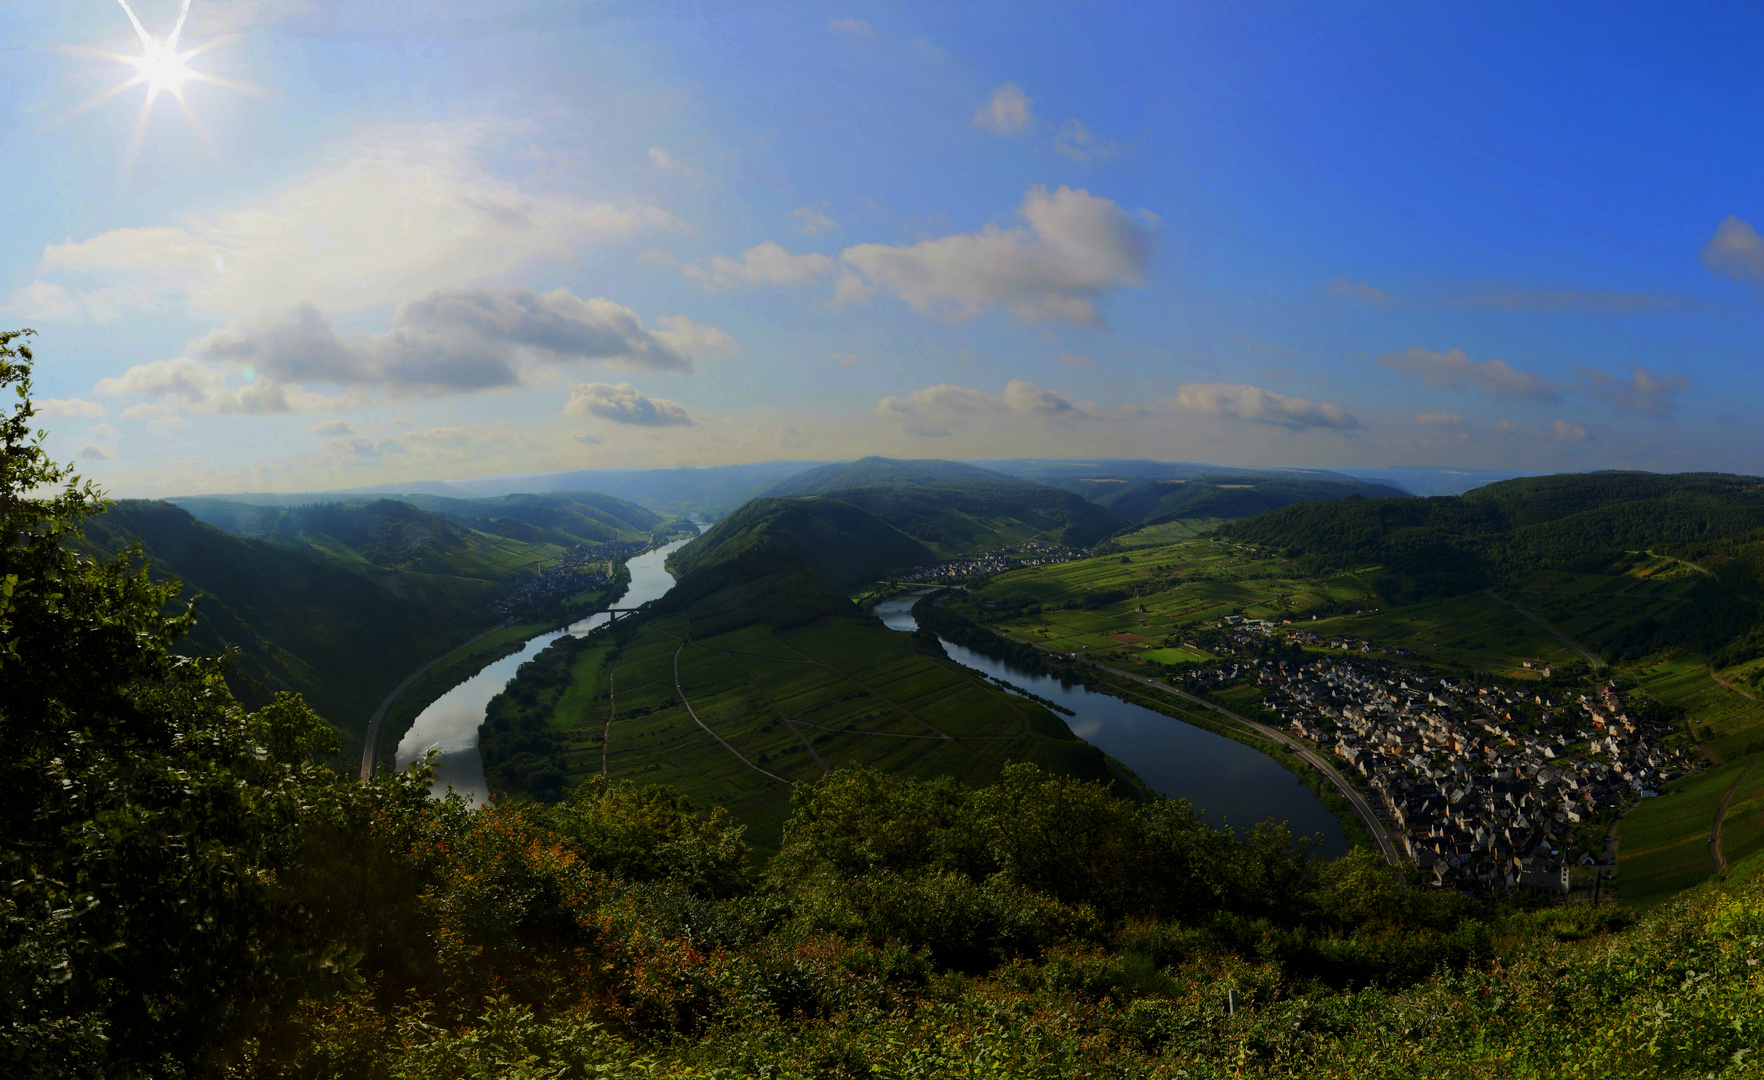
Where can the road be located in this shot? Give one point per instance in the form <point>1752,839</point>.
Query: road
<point>1592,661</point>
<point>1362,809</point>
<point>370,743</point>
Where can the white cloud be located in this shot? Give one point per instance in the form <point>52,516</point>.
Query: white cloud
<point>463,340</point>
<point>94,452</point>
<point>1008,112</point>
<point>1079,143</point>
<point>1358,290</point>
<point>621,403</point>
<point>42,301</point>
<point>1643,394</point>
<point>1567,432</point>
<point>1442,419</point>
<point>194,387</point>
<point>1260,406</point>
<point>763,264</point>
<point>1076,245</point>
<point>932,410</point>
<point>661,159</point>
<point>845,359</point>
<point>1075,360</point>
<point>1735,250</point>
<point>813,220</point>
<point>852,28</point>
<point>331,428</point>
<point>1453,370</point>
<point>75,407</point>
<point>391,212</point>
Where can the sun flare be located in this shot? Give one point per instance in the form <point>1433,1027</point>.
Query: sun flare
<point>163,68</point>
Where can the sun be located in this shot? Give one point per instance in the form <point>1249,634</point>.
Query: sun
<point>163,68</point>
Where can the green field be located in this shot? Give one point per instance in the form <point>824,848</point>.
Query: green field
<point>1663,844</point>
<point>1726,722</point>
<point>756,711</point>
<point>1742,830</point>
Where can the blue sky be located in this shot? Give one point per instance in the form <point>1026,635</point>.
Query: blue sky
<point>428,241</point>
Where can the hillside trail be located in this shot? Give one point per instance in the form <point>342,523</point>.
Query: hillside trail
<point>1586,654</point>
<point>611,711</point>
<point>690,711</point>
<point>1727,684</point>
<point>795,729</point>
<point>1715,851</point>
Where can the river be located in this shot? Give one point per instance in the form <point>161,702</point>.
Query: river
<point>450,724</point>
<point>1235,784</point>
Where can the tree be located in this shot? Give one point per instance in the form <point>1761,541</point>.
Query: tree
<point>143,812</point>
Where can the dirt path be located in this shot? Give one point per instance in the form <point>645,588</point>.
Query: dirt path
<point>1727,684</point>
<point>690,711</point>
<point>611,711</point>
<point>1586,654</point>
<point>795,729</point>
<point>1715,851</point>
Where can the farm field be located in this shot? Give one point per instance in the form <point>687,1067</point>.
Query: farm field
<point>1742,830</point>
<point>1085,604</point>
<point>1726,722</point>
<point>1663,844</point>
<point>756,712</point>
<point>1164,533</point>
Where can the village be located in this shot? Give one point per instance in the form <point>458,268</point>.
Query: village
<point>584,567</point>
<point>997,561</point>
<point>1488,786</point>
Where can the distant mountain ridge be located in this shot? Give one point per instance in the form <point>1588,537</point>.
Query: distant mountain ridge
<point>955,508</point>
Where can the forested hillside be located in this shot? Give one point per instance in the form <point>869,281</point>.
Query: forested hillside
<point>956,508</point>
<point>1420,549</point>
<point>299,622</point>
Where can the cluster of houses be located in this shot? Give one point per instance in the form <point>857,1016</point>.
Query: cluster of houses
<point>1486,786</point>
<point>1242,632</point>
<point>584,567</point>
<point>1028,553</point>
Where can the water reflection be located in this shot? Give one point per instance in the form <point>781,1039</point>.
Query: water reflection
<point>1235,784</point>
<point>450,724</point>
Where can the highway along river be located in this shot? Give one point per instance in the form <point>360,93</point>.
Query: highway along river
<point>451,723</point>
<point>1233,783</point>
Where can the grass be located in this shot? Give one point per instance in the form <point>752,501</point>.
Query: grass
<point>1663,844</point>
<point>1742,830</point>
<point>1733,722</point>
<point>790,705</point>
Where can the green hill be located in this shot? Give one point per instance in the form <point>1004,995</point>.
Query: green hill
<point>415,553</point>
<point>845,544</point>
<point>299,622</point>
<point>1412,550</point>
<point>1154,502</point>
<point>955,508</point>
